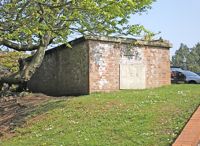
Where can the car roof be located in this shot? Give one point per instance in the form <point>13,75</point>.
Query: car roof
<point>175,66</point>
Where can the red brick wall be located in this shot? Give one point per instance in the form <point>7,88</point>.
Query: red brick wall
<point>157,67</point>
<point>104,66</point>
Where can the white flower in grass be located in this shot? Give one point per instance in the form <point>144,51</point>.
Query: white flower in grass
<point>49,128</point>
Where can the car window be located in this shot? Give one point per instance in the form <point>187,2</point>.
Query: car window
<point>189,73</point>
<point>176,69</point>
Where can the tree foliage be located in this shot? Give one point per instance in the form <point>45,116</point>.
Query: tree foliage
<point>194,58</point>
<point>27,25</point>
<point>188,58</point>
<point>9,60</point>
<point>181,55</point>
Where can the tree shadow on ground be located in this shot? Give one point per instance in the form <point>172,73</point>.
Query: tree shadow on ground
<point>14,111</point>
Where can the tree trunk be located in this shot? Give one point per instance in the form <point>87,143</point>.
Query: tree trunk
<point>11,79</point>
<point>30,66</point>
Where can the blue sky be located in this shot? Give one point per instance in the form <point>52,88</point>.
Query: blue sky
<point>177,20</point>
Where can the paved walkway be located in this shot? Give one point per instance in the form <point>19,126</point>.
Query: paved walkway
<point>190,136</point>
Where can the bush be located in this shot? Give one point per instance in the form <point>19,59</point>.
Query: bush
<point>9,61</point>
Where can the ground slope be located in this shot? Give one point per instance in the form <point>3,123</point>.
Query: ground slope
<point>152,117</point>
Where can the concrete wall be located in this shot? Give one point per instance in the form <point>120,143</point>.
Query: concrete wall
<point>64,71</point>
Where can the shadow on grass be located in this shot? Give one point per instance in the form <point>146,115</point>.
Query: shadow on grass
<point>48,106</point>
<point>15,112</point>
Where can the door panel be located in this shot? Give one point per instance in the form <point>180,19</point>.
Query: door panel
<point>132,76</point>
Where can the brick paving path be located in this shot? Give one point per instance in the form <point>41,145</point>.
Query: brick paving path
<point>190,136</point>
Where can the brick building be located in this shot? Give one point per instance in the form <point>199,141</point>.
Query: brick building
<point>96,64</point>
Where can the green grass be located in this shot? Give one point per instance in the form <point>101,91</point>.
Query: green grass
<point>152,117</point>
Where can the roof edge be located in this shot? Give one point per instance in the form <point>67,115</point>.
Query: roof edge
<point>153,43</point>
<point>139,42</point>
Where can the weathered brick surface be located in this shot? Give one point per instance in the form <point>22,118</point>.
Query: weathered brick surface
<point>157,66</point>
<point>104,66</point>
<point>93,64</point>
<point>105,59</point>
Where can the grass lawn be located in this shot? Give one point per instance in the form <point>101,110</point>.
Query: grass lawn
<point>152,117</point>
